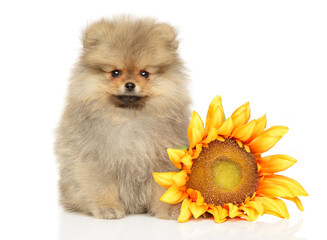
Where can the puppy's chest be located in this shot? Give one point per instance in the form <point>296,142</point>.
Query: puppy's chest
<point>135,134</point>
<point>137,144</point>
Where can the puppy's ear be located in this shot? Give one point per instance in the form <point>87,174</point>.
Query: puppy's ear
<point>168,33</point>
<point>94,33</point>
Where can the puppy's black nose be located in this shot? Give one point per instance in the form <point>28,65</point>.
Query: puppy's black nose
<point>129,86</point>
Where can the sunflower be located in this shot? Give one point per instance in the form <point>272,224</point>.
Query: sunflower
<point>223,172</point>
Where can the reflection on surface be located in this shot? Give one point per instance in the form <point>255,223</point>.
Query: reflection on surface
<point>76,226</point>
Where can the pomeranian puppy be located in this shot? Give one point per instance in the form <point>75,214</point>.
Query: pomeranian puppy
<point>127,103</point>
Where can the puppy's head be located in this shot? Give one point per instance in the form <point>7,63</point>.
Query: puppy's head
<point>129,63</point>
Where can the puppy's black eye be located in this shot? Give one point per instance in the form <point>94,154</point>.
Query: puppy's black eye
<point>115,73</point>
<point>144,74</point>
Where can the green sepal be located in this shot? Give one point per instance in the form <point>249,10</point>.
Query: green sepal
<point>182,147</point>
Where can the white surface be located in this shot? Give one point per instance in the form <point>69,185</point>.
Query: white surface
<point>272,54</point>
<point>74,226</point>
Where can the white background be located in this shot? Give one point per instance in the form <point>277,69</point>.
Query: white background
<point>271,53</point>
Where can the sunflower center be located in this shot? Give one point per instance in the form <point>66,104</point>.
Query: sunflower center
<point>227,174</point>
<point>224,173</point>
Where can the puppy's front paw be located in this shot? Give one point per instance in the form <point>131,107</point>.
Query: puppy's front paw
<point>168,212</point>
<point>108,213</point>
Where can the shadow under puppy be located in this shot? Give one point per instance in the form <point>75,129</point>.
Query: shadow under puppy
<point>127,103</point>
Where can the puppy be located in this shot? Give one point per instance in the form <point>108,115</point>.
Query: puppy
<point>127,103</point>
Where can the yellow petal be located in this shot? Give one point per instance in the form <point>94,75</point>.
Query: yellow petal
<point>195,196</point>
<point>247,199</point>
<point>240,144</point>
<point>274,206</point>
<point>255,205</point>
<point>192,194</point>
<point>280,186</point>
<point>257,157</point>
<point>175,156</point>
<point>218,213</point>
<point>164,179</point>
<point>185,213</point>
<point>260,125</point>
<point>187,163</point>
<point>275,163</point>
<point>247,148</point>
<point>195,130</point>
<point>212,135</point>
<point>173,195</point>
<point>196,152</point>
<point>241,115</point>
<point>215,115</point>
<point>200,199</point>
<point>297,201</point>
<point>180,178</point>
<point>232,210</point>
<point>286,181</point>
<point>197,210</point>
<point>251,213</point>
<point>267,139</point>
<point>244,132</point>
<point>226,128</point>
<point>221,139</point>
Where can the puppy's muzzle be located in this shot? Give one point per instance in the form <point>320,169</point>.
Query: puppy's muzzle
<point>129,96</point>
<point>128,99</point>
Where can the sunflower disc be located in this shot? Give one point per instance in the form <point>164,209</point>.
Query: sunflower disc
<point>224,173</point>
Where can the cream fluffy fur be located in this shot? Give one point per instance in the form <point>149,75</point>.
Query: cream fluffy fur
<point>106,151</point>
